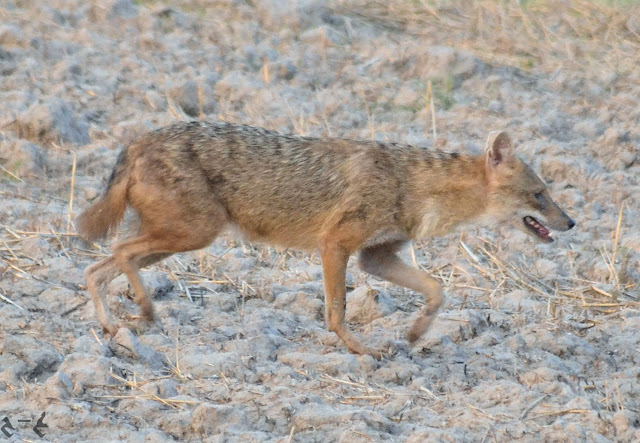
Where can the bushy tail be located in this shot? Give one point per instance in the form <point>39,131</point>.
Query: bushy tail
<point>101,218</point>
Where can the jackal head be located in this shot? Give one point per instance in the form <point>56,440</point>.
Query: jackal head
<point>517,194</point>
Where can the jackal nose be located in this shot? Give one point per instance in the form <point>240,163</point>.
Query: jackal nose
<point>571,224</point>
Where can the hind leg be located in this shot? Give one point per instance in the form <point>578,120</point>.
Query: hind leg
<point>178,212</point>
<point>133,254</point>
<point>168,227</point>
<point>99,275</point>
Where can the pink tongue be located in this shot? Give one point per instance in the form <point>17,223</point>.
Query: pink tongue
<point>542,231</point>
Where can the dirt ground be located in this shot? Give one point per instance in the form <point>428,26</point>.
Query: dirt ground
<point>535,342</point>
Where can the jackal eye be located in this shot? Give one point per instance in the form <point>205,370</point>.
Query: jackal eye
<point>540,199</point>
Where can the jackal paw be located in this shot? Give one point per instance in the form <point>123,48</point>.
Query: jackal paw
<point>360,349</point>
<point>110,329</point>
<point>378,354</point>
<point>147,314</point>
<point>413,337</point>
<point>136,324</point>
<point>387,350</point>
<point>419,327</point>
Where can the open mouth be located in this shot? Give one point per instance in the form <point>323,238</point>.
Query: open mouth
<point>537,229</point>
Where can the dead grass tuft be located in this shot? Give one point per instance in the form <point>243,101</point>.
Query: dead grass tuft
<point>543,36</point>
<point>576,302</point>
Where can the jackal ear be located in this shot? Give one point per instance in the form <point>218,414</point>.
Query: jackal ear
<point>499,148</point>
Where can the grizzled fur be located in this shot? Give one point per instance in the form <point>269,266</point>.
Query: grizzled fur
<point>190,180</point>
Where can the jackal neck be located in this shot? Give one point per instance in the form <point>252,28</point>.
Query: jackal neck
<point>449,190</point>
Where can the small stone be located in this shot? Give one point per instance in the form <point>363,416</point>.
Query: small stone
<point>23,158</point>
<point>53,120</point>
<point>36,248</point>
<point>128,131</point>
<point>59,299</point>
<point>316,415</point>
<point>89,345</point>
<point>11,35</point>
<point>155,100</point>
<point>61,269</point>
<point>163,388</point>
<point>113,9</point>
<point>88,370</point>
<point>406,96</point>
<point>127,345</point>
<point>60,417</point>
<point>590,127</point>
<point>156,436</point>
<point>466,66</point>
<point>440,61</point>
<point>496,106</point>
<point>211,419</point>
<point>546,268</point>
<point>122,8</point>
<point>332,363</point>
<point>365,304</point>
<point>209,363</point>
<point>519,300</point>
<point>622,420</point>
<point>40,358</point>
<point>615,136</point>
<point>57,387</point>
<point>300,303</point>
<point>557,125</point>
<point>286,70</point>
<point>191,96</point>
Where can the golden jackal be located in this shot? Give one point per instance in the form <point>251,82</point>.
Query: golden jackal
<point>189,181</point>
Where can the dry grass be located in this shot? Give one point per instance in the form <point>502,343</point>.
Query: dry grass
<point>361,392</point>
<point>584,37</point>
<point>138,392</point>
<point>576,303</point>
<point>590,40</point>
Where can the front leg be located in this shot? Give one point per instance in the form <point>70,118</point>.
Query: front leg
<point>383,262</point>
<point>334,267</point>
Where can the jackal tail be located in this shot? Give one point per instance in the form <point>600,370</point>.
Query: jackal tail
<point>104,216</point>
